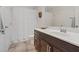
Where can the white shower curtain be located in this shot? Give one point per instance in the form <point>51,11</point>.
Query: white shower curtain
<point>24,22</point>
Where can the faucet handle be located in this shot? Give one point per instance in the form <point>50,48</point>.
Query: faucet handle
<point>76,26</point>
<point>6,26</point>
<point>61,25</point>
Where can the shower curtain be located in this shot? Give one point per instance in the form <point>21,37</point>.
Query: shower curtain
<point>24,22</point>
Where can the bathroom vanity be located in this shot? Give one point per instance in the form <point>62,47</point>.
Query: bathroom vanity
<point>53,41</point>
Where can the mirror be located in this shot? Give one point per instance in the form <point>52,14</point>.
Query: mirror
<point>66,15</point>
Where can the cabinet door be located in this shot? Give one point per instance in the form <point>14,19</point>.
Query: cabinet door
<point>45,47</point>
<point>37,45</point>
<point>56,50</point>
<point>36,41</point>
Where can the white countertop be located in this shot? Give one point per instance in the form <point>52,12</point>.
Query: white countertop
<point>70,37</point>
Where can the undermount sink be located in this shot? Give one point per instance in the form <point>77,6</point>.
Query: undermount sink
<point>58,32</point>
<point>54,31</point>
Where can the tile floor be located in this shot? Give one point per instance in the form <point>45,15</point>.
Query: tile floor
<point>23,46</point>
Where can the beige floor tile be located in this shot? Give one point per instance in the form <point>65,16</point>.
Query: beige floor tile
<point>25,46</point>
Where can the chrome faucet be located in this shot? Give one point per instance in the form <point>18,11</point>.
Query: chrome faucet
<point>73,22</point>
<point>62,29</point>
<point>73,25</point>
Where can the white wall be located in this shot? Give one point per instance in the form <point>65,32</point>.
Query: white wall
<point>77,15</point>
<point>47,18</point>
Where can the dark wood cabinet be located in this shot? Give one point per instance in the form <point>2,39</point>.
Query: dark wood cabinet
<point>37,45</point>
<point>37,42</point>
<point>40,44</point>
<point>46,43</point>
<point>45,47</point>
<point>56,50</point>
